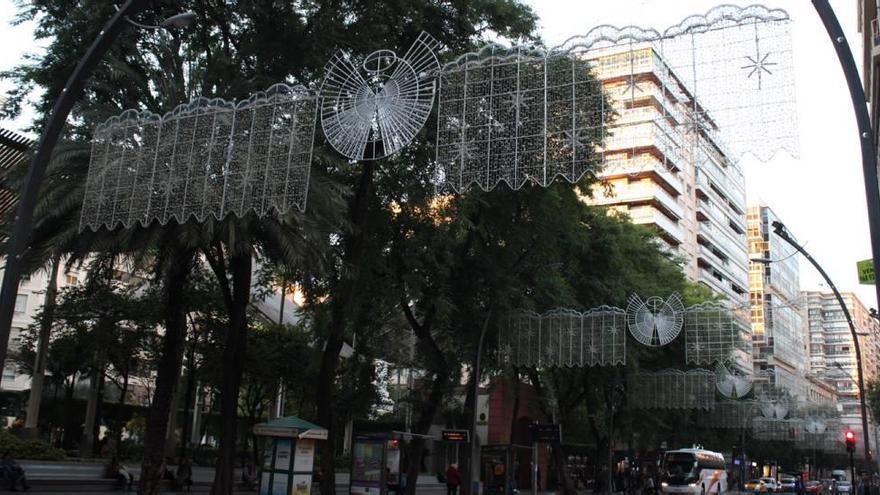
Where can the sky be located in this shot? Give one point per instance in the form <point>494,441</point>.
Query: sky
<point>819,196</point>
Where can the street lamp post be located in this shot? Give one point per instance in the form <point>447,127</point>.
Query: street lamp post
<point>863,121</point>
<point>22,228</point>
<point>780,230</point>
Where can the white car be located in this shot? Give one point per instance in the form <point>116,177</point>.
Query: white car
<point>772,484</point>
<point>843,486</point>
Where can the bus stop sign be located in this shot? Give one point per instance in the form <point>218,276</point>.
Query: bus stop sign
<point>545,433</point>
<point>457,436</point>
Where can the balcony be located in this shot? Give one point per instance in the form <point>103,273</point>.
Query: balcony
<point>641,193</point>
<point>713,261</point>
<point>734,248</point>
<point>649,136</point>
<point>667,229</point>
<point>644,164</point>
<point>733,190</point>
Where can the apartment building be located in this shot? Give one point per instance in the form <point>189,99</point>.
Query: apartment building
<point>779,347</point>
<point>832,355</point>
<point>664,172</point>
<point>670,175</point>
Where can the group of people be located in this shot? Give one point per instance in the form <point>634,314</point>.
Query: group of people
<point>180,478</point>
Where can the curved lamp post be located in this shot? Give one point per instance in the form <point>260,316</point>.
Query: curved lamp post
<point>780,230</point>
<point>22,228</point>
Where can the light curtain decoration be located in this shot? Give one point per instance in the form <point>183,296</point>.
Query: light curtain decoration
<point>711,332</point>
<point>716,85</point>
<point>672,389</point>
<point>206,159</point>
<point>777,429</point>
<point>565,338</point>
<point>655,322</point>
<point>729,414</point>
<point>373,108</point>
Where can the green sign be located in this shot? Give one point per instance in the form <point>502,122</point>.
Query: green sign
<point>866,272</point>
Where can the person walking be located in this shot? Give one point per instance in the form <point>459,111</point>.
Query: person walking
<point>453,479</point>
<point>13,473</point>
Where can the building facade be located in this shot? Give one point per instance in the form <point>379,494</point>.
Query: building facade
<point>832,354</point>
<point>779,347</point>
<point>672,176</point>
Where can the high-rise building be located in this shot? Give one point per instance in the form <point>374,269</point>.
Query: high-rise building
<point>779,347</point>
<point>670,175</point>
<point>832,355</point>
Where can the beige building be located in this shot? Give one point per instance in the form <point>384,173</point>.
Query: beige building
<point>664,173</point>
<point>832,355</point>
<point>779,345</point>
<point>672,176</point>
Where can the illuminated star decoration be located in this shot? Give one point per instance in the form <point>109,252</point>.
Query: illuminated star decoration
<point>574,140</point>
<point>758,65</point>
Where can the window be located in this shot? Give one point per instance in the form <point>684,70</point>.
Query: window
<point>71,280</point>
<point>21,303</point>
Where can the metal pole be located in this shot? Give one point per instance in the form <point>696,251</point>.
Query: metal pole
<point>475,448</point>
<point>23,223</point>
<point>869,160</point>
<point>783,233</point>
<point>534,468</point>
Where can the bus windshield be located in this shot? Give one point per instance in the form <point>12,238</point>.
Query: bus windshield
<point>679,464</point>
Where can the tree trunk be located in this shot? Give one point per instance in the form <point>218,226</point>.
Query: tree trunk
<point>87,445</point>
<point>174,417</point>
<point>168,370</point>
<point>345,292</point>
<point>188,400</point>
<point>233,359</point>
<point>39,375</point>
<point>120,416</point>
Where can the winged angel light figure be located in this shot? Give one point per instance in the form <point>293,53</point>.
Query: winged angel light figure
<point>374,110</point>
<point>730,384</point>
<point>655,322</point>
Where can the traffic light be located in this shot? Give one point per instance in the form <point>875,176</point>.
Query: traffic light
<point>850,439</point>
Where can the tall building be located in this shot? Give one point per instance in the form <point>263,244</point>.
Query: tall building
<point>673,176</point>
<point>670,175</point>
<point>832,355</point>
<point>779,347</point>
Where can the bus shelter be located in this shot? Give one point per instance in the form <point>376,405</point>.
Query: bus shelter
<point>375,464</point>
<point>288,455</point>
<point>499,467</point>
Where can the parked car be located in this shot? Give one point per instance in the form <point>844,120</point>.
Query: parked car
<point>757,486</point>
<point>813,486</point>
<point>786,483</point>
<point>772,484</point>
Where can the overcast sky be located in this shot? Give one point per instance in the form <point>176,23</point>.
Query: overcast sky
<point>820,196</point>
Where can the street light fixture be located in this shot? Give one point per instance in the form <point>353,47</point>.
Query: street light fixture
<point>22,227</point>
<point>780,230</point>
<point>178,21</point>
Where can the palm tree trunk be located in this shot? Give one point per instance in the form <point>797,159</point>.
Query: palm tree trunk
<point>168,369</point>
<point>233,359</point>
<point>343,299</point>
<point>39,375</point>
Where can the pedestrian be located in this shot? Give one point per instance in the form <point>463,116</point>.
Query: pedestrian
<point>798,485</point>
<point>249,475</point>
<point>183,475</point>
<point>13,473</point>
<point>453,479</point>
<point>649,485</point>
<point>117,471</point>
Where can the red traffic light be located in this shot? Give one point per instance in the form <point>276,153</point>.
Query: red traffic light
<point>850,436</point>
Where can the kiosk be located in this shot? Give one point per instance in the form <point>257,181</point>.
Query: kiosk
<point>288,455</point>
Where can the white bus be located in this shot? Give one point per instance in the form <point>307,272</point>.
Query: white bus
<point>693,471</point>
